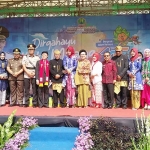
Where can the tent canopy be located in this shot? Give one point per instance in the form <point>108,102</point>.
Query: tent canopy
<point>43,8</point>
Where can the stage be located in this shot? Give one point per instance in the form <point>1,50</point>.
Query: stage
<point>69,116</point>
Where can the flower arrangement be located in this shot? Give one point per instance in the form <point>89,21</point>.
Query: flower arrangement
<point>16,136</point>
<point>84,139</point>
<point>143,127</point>
<point>107,135</point>
<point>104,134</point>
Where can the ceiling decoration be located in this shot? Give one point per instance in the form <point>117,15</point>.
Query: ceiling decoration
<point>52,8</point>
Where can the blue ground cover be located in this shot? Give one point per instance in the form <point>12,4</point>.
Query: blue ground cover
<point>52,138</point>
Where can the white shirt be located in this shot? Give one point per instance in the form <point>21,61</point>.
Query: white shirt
<point>96,69</point>
<point>25,61</point>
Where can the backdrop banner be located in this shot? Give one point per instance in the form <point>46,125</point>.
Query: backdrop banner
<point>92,33</point>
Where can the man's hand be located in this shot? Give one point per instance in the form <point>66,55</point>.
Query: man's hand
<point>37,82</point>
<point>57,76</point>
<point>118,78</point>
<point>31,74</point>
<point>131,75</point>
<point>15,74</point>
<point>114,81</point>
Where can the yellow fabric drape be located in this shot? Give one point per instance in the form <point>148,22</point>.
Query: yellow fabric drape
<point>118,84</point>
<point>57,86</point>
<point>135,98</point>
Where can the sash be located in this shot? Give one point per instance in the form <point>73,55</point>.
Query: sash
<point>44,66</point>
<point>30,62</point>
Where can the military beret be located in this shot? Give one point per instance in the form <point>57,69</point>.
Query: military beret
<point>16,51</point>
<point>31,46</point>
<point>46,52</point>
<point>4,33</point>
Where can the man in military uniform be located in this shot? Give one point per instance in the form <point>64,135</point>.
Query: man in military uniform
<point>56,70</point>
<point>29,64</point>
<point>15,70</point>
<point>120,88</point>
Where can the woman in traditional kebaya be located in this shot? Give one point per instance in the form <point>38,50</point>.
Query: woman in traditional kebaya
<point>135,83</point>
<point>82,79</point>
<point>3,78</point>
<point>145,100</point>
<point>70,65</point>
<point>96,78</point>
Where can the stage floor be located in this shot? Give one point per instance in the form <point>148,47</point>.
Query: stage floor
<point>73,112</point>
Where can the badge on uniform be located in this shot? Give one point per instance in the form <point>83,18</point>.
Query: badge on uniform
<point>54,66</point>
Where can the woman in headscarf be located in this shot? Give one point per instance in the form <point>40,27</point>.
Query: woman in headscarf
<point>3,78</point>
<point>135,83</point>
<point>96,79</point>
<point>70,65</point>
<point>82,79</point>
<point>145,100</point>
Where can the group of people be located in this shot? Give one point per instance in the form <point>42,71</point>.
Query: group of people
<point>76,80</point>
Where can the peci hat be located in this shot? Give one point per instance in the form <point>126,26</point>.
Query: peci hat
<point>118,48</point>
<point>31,46</point>
<point>16,51</point>
<point>46,52</point>
<point>4,33</point>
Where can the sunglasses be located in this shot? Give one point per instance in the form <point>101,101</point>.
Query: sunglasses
<point>117,51</point>
<point>106,55</point>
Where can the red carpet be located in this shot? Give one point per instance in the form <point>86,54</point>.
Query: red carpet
<point>121,113</point>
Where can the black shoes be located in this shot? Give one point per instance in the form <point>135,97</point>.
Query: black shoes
<point>110,107</point>
<point>124,107</point>
<point>46,106</point>
<point>20,105</point>
<point>25,105</point>
<point>118,106</point>
<point>12,105</point>
<point>107,106</point>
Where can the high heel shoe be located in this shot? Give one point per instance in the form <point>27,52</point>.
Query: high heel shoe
<point>98,106</point>
<point>146,107</point>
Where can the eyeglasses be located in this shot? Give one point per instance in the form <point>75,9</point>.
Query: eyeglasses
<point>106,55</point>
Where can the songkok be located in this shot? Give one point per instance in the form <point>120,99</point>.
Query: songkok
<point>46,52</point>
<point>118,48</point>
<point>4,33</point>
<point>57,51</point>
<point>16,51</point>
<point>31,46</point>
